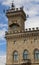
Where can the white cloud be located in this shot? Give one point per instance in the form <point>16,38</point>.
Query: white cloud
<point>2,34</point>
<point>3,25</point>
<point>7,2</point>
<point>2,60</point>
<point>32,22</point>
<point>19,1</point>
<point>3,28</point>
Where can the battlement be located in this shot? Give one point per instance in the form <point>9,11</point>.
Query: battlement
<point>32,29</point>
<point>23,31</point>
<point>14,9</point>
<point>16,12</point>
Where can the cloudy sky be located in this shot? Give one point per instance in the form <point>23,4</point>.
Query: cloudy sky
<point>31,8</point>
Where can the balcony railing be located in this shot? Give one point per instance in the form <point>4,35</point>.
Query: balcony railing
<point>26,62</point>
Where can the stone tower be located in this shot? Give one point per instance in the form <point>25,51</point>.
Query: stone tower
<point>22,47</point>
<point>16,18</point>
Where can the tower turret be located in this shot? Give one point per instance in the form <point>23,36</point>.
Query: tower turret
<point>16,18</point>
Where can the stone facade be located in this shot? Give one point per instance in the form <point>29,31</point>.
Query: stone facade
<point>19,39</point>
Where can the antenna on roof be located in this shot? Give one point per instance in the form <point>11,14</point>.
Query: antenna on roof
<point>12,4</point>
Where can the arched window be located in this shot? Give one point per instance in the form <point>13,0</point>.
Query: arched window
<point>15,56</point>
<point>25,54</point>
<point>14,26</point>
<point>36,54</point>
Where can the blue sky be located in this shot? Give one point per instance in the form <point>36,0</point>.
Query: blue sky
<point>31,8</point>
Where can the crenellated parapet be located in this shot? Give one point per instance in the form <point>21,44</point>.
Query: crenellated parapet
<point>32,29</point>
<point>24,33</point>
<point>14,9</point>
<point>16,12</point>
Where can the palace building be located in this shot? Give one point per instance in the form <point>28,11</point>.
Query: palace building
<point>22,44</point>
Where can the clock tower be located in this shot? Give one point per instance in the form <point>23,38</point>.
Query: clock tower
<point>16,18</point>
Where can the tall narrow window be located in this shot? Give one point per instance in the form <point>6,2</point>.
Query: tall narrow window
<point>36,54</point>
<point>25,54</point>
<point>15,56</point>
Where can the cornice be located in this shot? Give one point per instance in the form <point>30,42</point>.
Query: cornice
<point>20,34</point>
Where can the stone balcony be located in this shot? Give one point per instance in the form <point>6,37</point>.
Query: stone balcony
<point>26,62</point>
